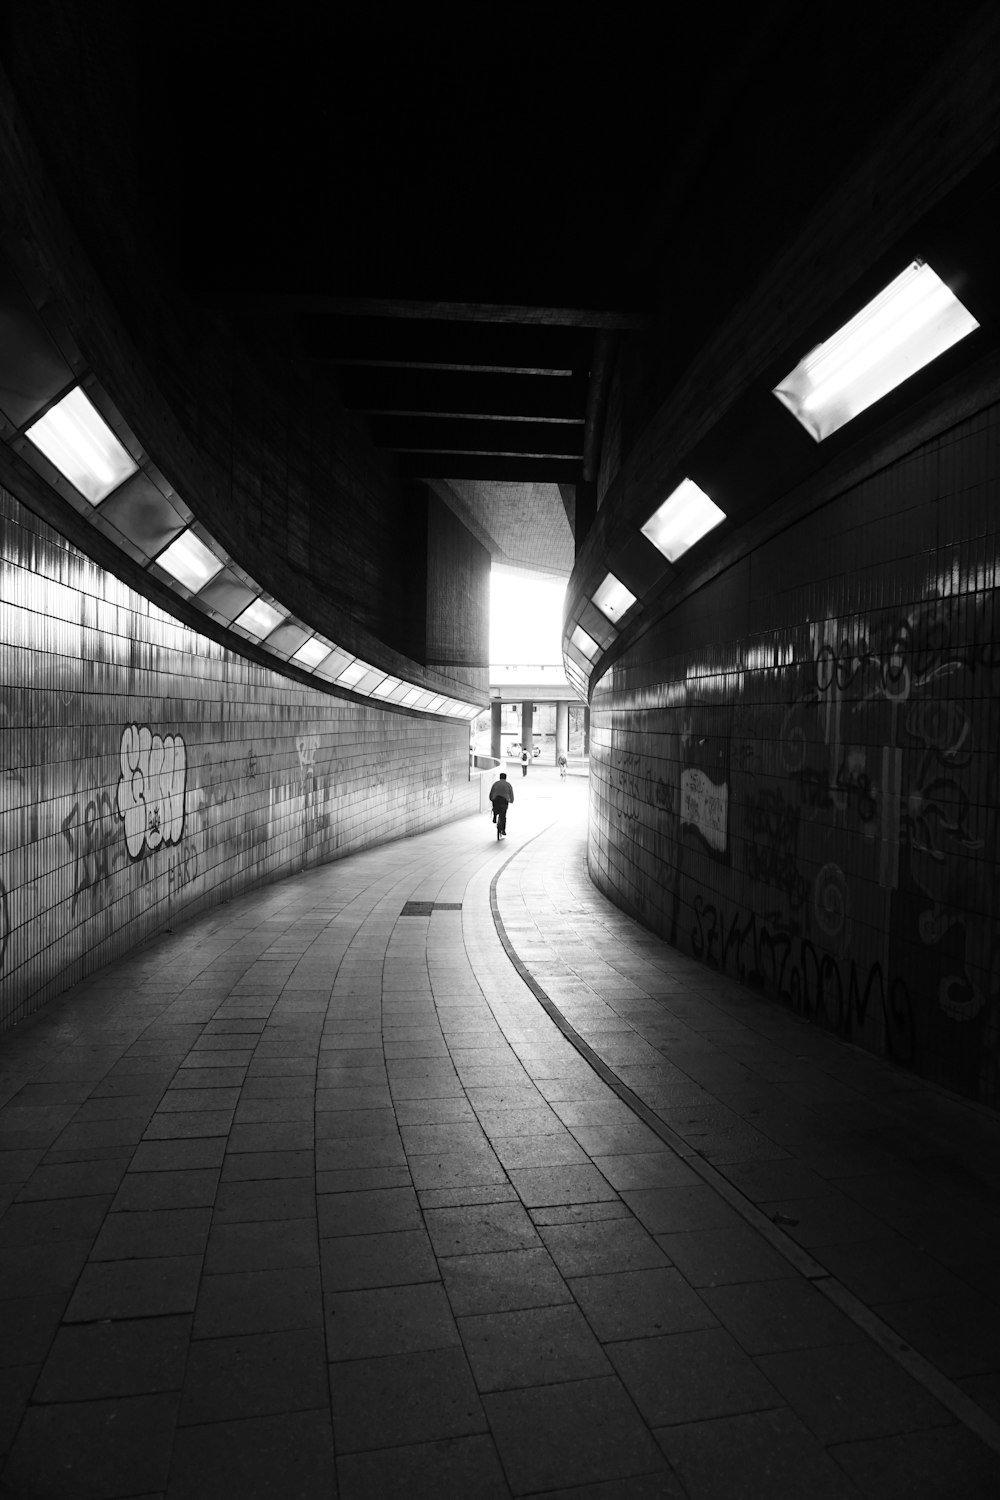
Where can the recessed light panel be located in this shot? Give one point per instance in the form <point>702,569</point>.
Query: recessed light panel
<point>684,518</point>
<point>613,599</point>
<point>190,561</point>
<point>352,674</point>
<point>585,643</point>
<point>913,320</point>
<point>312,653</point>
<point>259,619</point>
<point>76,440</point>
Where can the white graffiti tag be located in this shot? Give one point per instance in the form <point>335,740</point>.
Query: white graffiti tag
<point>151,789</point>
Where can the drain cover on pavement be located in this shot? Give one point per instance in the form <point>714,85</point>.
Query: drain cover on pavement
<point>424,908</point>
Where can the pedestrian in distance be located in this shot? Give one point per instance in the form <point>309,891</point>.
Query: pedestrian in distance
<point>501,796</point>
<point>525,760</point>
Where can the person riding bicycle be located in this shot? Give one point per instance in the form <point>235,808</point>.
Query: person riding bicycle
<point>501,795</point>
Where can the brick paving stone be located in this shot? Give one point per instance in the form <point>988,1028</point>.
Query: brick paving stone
<point>158,1232</point>
<point>766,1316</point>
<point>851,1392</point>
<point>288,1455</point>
<point>631,1304</point>
<point>404,1398</point>
<point>267,1166</point>
<point>451,1469</point>
<point>355,1262</point>
<point>132,1357</point>
<point>570,1433</point>
<point>530,1347</point>
<point>135,1288</point>
<point>539,1186</point>
<point>371,1211</point>
<point>940,1464</point>
<point>121,1446</point>
<point>691,1376</point>
<point>589,1248</point>
<point>29,1325</point>
<point>266,1245</point>
<point>757,1456</point>
<point>252,1200</point>
<point>25,1273</point>
<point>503,1280</point>
<point>389,1320</point>
<point>670,1210</point>
<point>254,1375</point>
<point>268,1301</point>
<point>481,1227</point>
<point>716,1257</point>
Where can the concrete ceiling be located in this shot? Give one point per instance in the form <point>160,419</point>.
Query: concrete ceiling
<point>458,218</point>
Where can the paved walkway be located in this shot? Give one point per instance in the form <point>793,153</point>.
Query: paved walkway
<point>430,1174</point>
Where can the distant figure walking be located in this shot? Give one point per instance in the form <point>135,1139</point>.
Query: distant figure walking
<point>562,767</point>
<point>525,760</point>
<point>501,796</point>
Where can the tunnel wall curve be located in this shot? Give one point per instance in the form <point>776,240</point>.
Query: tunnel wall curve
<point>795,774</point>
<point>149,772</point>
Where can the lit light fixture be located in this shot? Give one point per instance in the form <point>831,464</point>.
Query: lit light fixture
<point>684,518</point>
<point>312,652</point>
<point>259,619</point>
<point>613,599</point>
<point>411,697</point>
<point>913,320</point>
<point>352,673</point>
<point>387,686</point>
<point>75,438</point>
<point>190,561</point>
<point>585,643</point>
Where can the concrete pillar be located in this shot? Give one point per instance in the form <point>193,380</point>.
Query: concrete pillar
<point>496,708</point>
<point>527,738</point>
<point>586,731</point>
<point>562,730</point>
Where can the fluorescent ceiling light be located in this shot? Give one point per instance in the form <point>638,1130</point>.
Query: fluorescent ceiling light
<point>76,439</point>
<point>259,619</point>
<point>683,519</point>
<point>613,599</point>
<point>585,643</point>
<point>190,561</point>
<point>312,652</point>
<point>913,320</point>
<point>352,673</point>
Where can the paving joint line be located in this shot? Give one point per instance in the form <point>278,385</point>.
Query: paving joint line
<point>921,1369</point>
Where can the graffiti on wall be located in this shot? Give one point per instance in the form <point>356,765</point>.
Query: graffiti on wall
<point>705,808</point>
<point>862,814</point>
<point>93,836</point>
<point>151,789</point>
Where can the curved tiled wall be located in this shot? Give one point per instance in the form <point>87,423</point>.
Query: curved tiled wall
<point>148,771</point>
<point>795,774</point>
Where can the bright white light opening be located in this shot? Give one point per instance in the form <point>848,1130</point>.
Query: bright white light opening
<point>613,599</point>
<point>684,518</point>
<point>76,439</point>
<point>389,685</point>
<point>312,652</point>
<point>352,673</point>
<point>190,561</point>
<point>259,619</point>
<point>913,320</point>
<point>585,643</point>
<point>411,697</point>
